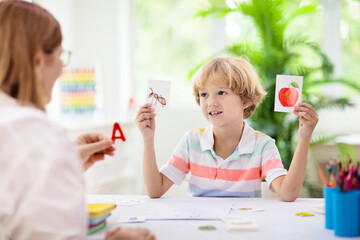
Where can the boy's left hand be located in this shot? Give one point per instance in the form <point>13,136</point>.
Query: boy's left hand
<point>308,119</point>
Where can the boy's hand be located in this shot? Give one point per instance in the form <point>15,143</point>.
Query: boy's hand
<point>145,120</point>
<point>308,119</point>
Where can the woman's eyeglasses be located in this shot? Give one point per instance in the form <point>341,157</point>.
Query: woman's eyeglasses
<point>65,57</point>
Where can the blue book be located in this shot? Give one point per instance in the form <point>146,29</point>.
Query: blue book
<point>93,221</point>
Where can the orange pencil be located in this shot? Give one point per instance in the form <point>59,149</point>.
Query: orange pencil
<point>332,180</point>
<point>321,175</point>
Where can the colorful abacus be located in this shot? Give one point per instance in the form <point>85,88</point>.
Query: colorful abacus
<point>78,91</point>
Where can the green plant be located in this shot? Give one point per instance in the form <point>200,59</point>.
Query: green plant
<point>275,52</point>
<point>346,151</point>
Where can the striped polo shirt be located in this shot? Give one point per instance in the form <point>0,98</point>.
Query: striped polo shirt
<point>255,158</point>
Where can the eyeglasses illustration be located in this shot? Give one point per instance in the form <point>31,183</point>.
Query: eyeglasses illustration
<point>158,97</point>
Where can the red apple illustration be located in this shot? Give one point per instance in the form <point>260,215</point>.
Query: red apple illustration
<point>289,95</point>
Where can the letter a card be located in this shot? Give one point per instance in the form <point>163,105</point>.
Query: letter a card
<point>287,92</point>
<point>158,93</point>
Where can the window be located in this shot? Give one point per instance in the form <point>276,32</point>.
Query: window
<point>169,42</point>
<point>350,33</point>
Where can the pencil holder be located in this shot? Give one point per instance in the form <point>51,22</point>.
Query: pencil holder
<point>328,193</point>
<point>347,213</point>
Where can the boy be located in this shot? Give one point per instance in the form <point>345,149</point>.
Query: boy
<point>228,158</point>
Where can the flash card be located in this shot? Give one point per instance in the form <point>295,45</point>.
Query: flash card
<point>238,208</point>
<point>287,92</point>
<point>242,225</point>
<point>158,93</point>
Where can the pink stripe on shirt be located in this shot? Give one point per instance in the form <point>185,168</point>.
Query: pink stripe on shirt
<point>215,173</point>
<point>179,163</point>
<point>225,174</point>
<point>270,164</point>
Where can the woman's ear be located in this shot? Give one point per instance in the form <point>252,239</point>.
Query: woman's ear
<point>39,63</point>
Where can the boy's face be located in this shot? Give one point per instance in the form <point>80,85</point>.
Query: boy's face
<point>220,105</point>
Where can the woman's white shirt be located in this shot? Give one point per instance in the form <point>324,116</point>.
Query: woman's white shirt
<point>42,190</point>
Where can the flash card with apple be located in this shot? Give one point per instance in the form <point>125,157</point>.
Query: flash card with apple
<point>287,92</point>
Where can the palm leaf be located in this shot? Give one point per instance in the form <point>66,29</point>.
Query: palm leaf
<point>300,41</point>
<point>323,102</point>
<point>308,9</point>
<point>345,151</point>
<point>267,16</point>
<point>216,8</point>
<point>341,81</point>
<point>320,138</point>
<point>248,50</point>
<point>296,67</point>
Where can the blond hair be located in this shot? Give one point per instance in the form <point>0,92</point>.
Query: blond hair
<point>238,74</point>
<point>25,29</point>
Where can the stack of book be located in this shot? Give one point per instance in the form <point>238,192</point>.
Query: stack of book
<point>98,213</point>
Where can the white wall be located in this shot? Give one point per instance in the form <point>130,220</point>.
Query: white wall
<point>335,121</point>
<point>100,32</point>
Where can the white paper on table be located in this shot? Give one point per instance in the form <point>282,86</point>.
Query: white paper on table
<point>317,208</point>
<point>129,202</point>
<point>287,92</point>
<point>158,93</point>
<point>188,211</point>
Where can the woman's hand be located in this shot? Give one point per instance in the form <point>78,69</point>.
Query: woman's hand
<point>145,120</point>
<point>93,147</point>
<point>129,234</point>
<point>308,119</point>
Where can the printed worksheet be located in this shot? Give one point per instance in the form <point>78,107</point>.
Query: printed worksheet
<point>189,210</point>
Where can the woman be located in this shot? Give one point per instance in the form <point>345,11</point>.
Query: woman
<point>42,192</point>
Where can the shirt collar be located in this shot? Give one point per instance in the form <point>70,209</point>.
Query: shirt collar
<point>207,139</point>
<point>6,100</point>
<point>247,141</point>
<point>246,144</point>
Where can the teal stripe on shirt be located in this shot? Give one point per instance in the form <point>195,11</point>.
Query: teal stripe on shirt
<point>193,144</point>
<point>196,191</point>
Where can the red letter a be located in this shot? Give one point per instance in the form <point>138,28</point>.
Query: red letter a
<point>117,127</point>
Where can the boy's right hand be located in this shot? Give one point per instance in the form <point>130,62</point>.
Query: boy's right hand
<point>145,120</point>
